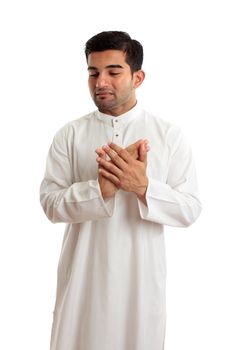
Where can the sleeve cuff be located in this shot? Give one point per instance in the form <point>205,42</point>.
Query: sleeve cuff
<point>107,204</point>
<point>157,192</point>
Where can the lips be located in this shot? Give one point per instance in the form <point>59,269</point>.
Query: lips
<point>103,93</point>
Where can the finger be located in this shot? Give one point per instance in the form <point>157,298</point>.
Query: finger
<point>143,153</point>
<point>146,144</point>
<point>115,157</point>
<point>122,153</point>
<point>100,152</point>
<point>137,143</point>
<point>147,147</point>
<point>132,149</point>
<point>109,166</point>
<point>109,176</point>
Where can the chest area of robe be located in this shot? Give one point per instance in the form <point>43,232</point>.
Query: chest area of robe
<point>94,134</point>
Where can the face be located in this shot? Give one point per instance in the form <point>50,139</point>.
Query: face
<point>111,82</point>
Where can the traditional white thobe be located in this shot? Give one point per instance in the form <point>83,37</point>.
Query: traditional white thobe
<point>112,270</point>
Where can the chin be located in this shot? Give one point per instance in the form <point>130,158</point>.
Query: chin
<point>102,104</point>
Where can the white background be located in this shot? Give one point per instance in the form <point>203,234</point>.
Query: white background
<point>43,85</point>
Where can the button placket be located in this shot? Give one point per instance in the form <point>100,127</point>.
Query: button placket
<point>117,131</point>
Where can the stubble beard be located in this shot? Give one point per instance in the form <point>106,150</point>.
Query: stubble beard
<point>104,105</point>
<point>108,105</point>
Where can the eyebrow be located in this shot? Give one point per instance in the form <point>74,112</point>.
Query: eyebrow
<point>109,66</point>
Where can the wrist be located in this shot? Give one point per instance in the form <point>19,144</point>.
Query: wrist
<point>141,192</point>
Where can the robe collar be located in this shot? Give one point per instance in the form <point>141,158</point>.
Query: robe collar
<point>122,119</point>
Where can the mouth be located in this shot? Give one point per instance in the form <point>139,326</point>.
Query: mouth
<point>103,93</point>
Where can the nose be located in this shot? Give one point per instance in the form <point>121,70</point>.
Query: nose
<point>102,81</point>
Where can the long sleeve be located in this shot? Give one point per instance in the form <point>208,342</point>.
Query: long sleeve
<point>174,202</point>
<point>63,199</point>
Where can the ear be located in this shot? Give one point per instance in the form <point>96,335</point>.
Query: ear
<point>138,78</point>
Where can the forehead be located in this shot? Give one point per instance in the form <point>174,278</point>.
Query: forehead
<point>106,58</point>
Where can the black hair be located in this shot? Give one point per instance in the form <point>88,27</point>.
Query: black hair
<point>117,40</point>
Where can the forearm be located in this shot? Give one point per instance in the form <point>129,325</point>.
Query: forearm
<point>142,199</point>
<point>141,191</point>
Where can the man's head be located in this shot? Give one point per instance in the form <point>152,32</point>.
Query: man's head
<point>114,66</point>
<point>116,40</point>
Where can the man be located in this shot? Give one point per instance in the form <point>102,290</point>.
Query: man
<point>111,274</point>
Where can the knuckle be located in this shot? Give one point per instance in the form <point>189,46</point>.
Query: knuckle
<point>115,156</point>
<point>122,152</point>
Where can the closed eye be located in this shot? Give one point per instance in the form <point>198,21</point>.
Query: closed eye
<point>94,75</point>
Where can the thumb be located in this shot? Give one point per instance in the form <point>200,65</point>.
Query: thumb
<point>143,153</point>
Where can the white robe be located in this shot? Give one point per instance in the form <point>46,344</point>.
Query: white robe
<point>112,269</point>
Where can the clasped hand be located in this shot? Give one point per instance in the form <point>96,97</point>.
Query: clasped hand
<point>126,169</point>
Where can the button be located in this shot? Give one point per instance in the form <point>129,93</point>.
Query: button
<point>117,135</point>
<point>116,121</point>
